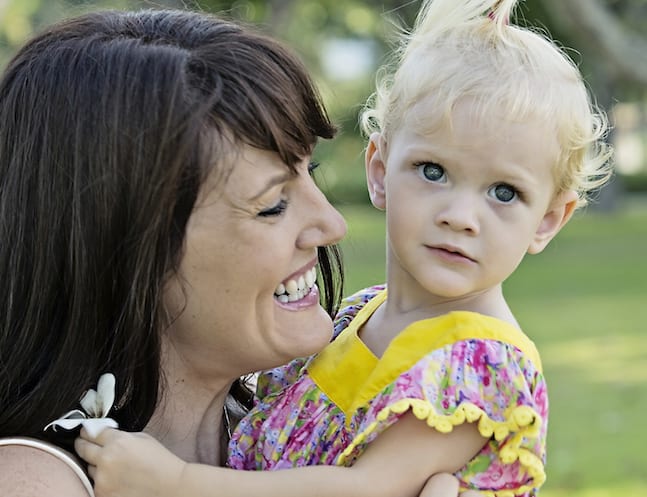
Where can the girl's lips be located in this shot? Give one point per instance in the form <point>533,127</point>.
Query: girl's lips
<point>450,254</point>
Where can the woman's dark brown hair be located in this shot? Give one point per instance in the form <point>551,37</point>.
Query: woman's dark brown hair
<point>109,123</point>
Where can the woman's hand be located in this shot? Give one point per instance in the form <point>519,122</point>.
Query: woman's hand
<point>126,464</point>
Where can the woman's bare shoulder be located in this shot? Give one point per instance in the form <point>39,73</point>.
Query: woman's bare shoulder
<point>32,472</point>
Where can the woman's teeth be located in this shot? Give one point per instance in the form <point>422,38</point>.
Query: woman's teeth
<point>294,290</point>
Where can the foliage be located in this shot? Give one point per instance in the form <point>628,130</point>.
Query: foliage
<point>635,183</point>
<point>311,26</point>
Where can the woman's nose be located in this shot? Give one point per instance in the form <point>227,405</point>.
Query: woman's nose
<point>325,225</point>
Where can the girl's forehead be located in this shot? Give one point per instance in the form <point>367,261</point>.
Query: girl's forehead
<point>430,116</point>
<point>467,131</point>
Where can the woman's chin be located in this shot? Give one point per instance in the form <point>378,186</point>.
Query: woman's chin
<point>307,332</point>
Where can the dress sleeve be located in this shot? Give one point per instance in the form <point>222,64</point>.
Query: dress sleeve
<point>482,381</point>
<point>274,380</point>
<point>351,305</point>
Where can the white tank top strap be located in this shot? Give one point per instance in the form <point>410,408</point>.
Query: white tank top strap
<point>56,452</point>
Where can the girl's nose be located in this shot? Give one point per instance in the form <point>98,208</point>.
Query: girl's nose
<point>460,213</point>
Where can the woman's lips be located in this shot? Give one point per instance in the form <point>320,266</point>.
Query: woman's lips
<point>310,298</point>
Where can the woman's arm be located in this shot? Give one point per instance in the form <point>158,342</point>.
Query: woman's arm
<point>31,472</point>
<point>398,463</point>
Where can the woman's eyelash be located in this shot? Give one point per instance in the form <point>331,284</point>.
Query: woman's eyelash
<point>280,207</point>
<point>276,210</point>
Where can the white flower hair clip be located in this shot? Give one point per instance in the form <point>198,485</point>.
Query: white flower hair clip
<point>96,404</point>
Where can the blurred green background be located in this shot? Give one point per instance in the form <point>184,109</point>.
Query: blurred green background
<point>584,300</point>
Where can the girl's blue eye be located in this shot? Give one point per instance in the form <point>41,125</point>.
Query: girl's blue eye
<point>276,210</point>
<point>503,193</point>
<point>431,171</point>
<point>312,166</point>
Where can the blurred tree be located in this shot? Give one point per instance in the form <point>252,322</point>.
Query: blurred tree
<point>608,40</point>
<point>16,20</point>
<point>611,36</point>
<point>20,18</point>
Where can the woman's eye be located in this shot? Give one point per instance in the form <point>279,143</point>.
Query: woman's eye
<point>276,210</point>
<point>431,171</point>
<point>503,193</point>
<point>312,166</point>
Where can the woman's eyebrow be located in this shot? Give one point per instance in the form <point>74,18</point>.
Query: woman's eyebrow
<point>274,180</point>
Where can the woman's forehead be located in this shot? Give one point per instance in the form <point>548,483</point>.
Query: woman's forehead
<point>244,170</point>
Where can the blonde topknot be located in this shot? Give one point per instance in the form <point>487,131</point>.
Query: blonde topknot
<point>470,49</point>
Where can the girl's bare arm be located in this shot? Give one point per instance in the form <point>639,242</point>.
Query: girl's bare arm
<point>398,463</point>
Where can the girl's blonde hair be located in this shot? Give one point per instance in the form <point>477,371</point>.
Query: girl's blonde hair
<point>468,49</point>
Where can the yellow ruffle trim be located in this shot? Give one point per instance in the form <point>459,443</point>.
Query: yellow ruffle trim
<point>523,421</point>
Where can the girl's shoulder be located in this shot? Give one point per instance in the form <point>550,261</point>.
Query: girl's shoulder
<point>352,304</point>
<point>463,368</point>
<point>359,298</point>
<point>33,468</point>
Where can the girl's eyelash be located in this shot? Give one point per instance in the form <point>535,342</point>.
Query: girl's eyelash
<point>431,171</point>
<point>517,193</point>
<point>312,166</point>
<point>275,210</point>
<point>520,194</point>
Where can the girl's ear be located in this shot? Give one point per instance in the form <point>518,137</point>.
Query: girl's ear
<point>376,170</point>
<point>560,211</point>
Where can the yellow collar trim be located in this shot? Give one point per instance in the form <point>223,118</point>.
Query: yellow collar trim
<point>351,375</point>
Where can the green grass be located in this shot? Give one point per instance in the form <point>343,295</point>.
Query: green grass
<point>584,303</point>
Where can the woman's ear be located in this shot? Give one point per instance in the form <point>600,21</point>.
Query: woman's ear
<point>376,170</point>
<point>558,214</point>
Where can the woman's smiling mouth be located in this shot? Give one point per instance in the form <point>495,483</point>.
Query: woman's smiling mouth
<point>297,288</point>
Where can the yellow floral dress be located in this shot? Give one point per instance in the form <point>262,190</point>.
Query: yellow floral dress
<point>448,370</point>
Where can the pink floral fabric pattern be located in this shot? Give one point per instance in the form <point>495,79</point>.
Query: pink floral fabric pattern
<point>475,378</point>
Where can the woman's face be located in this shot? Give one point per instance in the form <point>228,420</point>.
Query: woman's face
<point>251,236</point>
